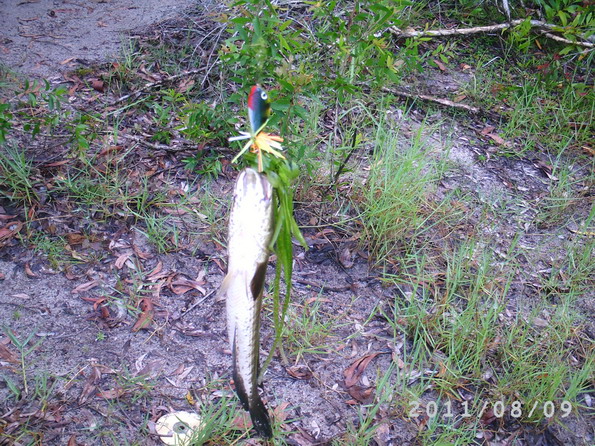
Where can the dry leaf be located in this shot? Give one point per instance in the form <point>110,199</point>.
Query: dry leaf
<point>362,394</point>
<point>21,296</point>
<point>90,384</point>
<point>146,317</point>
<point>487,130</point>
<point>345,257</point>
<point>121,260</point>
<point>75,238</point>
<point>280,413</point>
<point>357,368</point>
<point>155,272</point>
<point>97,85</point>
<point>111,394</point>
<point>440,65</point>
<point>299,372</point>
<point>498,140</point>
<point>28,270</point>
<point>7,355</point>
<point>85,287</point>
<point>184,285</point>
<point>185,85</point>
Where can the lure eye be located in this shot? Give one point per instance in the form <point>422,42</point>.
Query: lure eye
<point>263,96</point>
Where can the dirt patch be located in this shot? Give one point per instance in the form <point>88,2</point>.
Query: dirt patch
<point>44,37</point>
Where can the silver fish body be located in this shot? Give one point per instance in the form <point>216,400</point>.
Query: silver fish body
<point>250,232</point>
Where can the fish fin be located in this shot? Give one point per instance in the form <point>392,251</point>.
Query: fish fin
<point>237,379</point>
<point>224,287</point>
<point>260,418</point>
<point>257,282</point>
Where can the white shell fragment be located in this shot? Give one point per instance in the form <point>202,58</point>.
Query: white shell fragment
<point>177,428</point>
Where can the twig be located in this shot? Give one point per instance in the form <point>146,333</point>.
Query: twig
<point>489,28</point>
<point>156,84</point>
<point>426,97</point>
<point>194,305</point>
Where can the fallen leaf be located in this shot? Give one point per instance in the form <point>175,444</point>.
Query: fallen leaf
<point>498,140</point>
<point>382,434</point>
<point>111,394</point>
<point>303,438</point>
<point>185,85</point>
<point>56,163</point>
<point>487,130</point>
<point>146,317</point>
<point>299,372</point>
<point>184,285</point>
<point>90,385</point>
<point>121,260</point>
<point>280,413</point>
<point>28,271</point>
<point>357,368</point>
<point>242,422</point>
<point>361,393</point>
<point>85,287</point>
<point>345,257</point>
<point>7,355</point>
<point>155,271</point>
<point>97,85</point>
<point>10,229</point>
<point>175,211</point>
<point>440,64</point>
<point>75,238</point>
<point>21,296</point>
<point>72,441</point>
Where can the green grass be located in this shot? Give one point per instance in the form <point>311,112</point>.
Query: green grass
<point>16,175</point>
<point>397,203</point>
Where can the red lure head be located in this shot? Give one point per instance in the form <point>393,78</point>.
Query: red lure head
<point>259,107</point>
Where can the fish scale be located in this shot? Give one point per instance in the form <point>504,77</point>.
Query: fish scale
<point>250,232</point>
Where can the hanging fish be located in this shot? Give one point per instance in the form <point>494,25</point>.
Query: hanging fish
<point>250,232</point>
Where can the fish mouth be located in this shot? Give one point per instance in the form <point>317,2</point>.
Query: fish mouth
<point>253,184</point>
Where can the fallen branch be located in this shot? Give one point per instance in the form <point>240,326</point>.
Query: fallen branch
<point>156,84</point>
<point>543,26</point>
<point>426,97</point>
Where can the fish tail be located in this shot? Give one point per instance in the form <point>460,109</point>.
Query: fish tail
<point>260,417</point>
<point>258,411</point>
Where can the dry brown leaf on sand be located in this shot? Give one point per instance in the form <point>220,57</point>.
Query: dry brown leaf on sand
<point>361,394</point>
<point>90,384</point>
<point>299,372</point>
<point>146,317</point>
<point>357,368</point>
<point>85,287</point>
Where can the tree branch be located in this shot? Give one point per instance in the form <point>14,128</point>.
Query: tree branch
<point>426,97</point>
<point>538,24</point>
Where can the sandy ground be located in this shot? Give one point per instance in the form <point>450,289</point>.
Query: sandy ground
<point>43,37</point>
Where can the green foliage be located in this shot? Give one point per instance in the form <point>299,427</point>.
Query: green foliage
<point>16,173</point>
<point>5,121</point>
<point>203,123</point>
